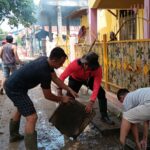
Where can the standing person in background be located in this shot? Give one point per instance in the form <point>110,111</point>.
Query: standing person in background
<point>136,109</point>
<point>87,71</point>
<point>9,56</point>
<point>1,89</point>
<point>113,36</point>
<point>82,34</point>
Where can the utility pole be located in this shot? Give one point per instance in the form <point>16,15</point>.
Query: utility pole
<point>59,21</point>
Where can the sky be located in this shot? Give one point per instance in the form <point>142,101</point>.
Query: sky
<point>36,2</point>
<point>5,27</point>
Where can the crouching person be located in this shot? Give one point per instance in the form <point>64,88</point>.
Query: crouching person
<point>40,71</point>
<point>87,71</point>
<point>136,106</point>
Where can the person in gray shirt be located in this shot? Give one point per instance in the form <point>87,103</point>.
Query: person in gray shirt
<point>136,109</point>
<point>9,56</point>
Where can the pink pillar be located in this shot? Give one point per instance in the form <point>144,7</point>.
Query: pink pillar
<point>146,16</point>
<point>92,24</point>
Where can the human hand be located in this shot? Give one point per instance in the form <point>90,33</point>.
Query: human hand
<point>73,93</point>
<point>119,115</point>
<point>59,92</point>
<point>89,106</point>
<point>143,144</point>
<point>20,63</point>
<point>66,99</point>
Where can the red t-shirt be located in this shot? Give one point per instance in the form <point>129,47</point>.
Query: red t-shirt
<point>77,72</point>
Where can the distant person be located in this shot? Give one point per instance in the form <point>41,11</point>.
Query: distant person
<point>82,34</point>
<point>87,71</point>
<point>40,71</point>
<point>23,41</point>
<point>136,106</point>
<point>113,36</point>
<point>1,89</point>
<point>9,56</point>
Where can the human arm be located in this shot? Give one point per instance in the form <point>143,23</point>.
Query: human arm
<point>145,135</point>
<point>96,86</point>
<point>1,51</point>
<point>16,54</point>
<point>59,92</point>
<point>61,85</point>
<point>71,68</point>
<point>89,106</point>
<point>50,96</point>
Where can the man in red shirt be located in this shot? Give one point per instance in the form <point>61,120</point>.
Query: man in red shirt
<point>87,71</point>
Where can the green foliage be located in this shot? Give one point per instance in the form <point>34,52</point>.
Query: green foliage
<point>17,11</point>
<point>18,40</point>
<point>2,34</point>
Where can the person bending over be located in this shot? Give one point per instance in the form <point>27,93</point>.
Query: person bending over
<point>40,71</point>
<point>87,71</point>
<point>136,105</point>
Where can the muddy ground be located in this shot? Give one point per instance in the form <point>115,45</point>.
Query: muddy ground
<point>49,138</point>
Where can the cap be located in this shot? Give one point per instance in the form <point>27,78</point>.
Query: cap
<point>91,59</point>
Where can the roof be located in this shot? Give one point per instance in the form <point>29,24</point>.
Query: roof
<point>78,13</point>
<point>115,4</point>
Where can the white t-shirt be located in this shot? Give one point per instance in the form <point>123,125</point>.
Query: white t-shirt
<point>137,97</point>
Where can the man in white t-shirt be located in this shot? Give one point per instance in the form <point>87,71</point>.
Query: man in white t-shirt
<point>136,107</point>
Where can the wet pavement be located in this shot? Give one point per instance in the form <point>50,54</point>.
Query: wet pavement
<point>49,138</point>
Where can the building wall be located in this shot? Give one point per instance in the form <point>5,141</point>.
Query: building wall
<point>140,24</point>
<point>93,3</point>
<point>84,21</point>
<point>106,23</point>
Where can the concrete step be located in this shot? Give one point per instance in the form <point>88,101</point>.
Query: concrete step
<point>104,128</point>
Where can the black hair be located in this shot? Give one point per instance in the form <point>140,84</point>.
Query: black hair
<point>9,38</point>
<point>122,92</point>
<point>57,53</point>
<point>80,63</point>
<point>91,58</point>
<point>113,36</point>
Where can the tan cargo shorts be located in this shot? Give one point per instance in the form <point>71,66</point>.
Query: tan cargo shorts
<point>138,114</point>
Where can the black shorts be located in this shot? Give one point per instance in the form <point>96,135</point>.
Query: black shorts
<point>22,101</point>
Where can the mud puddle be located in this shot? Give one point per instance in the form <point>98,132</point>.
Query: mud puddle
<point>49,138</point>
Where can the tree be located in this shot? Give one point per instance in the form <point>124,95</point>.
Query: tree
<point>17,12</point>
<point>2,34</point>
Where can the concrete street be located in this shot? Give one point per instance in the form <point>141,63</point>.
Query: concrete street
<point>49,138</point>
<point>96,137</point>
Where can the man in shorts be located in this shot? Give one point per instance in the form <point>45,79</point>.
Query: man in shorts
<point>40,71</point>
<point>136,107</point>
<point>9,56</point>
